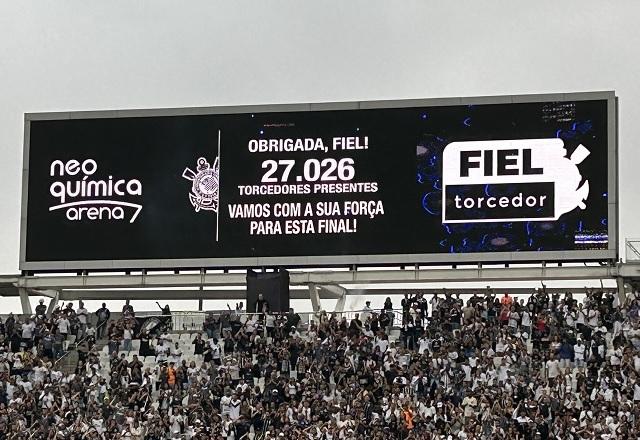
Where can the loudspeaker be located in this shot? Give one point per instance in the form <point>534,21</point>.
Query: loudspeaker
<point>274,287</point>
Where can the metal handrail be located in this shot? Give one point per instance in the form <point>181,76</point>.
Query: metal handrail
<point>179,320</point>
<point>630,246</point>
<point>176,325</point>
<point>31,429</point>
<point>83,339</point>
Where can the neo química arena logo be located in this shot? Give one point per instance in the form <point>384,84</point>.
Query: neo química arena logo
<point>85,195</point>
<point>511,180</point>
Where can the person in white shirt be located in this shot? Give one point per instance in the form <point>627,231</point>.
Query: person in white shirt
<point>234,407</point>
<point>435,303</point>
<point>579,350</point>
<point>82,314</point>
<point>500,347</point>
<point>269,323</point>
<point>27,333</point>
<point>592,317</point>
<point>383,343</point>
<point>503,372</point>
<point>63,326</point>
<point>514,319</point>
<point>161,351</point>
<point>423,344</point>
<point>467,372</point>
<point>225,404</point>
<point>127,336</point>
<point>469,403</point>
<point>366,312</point>
<point>25,384</point>
<point>636,392</point>
<point>39,372</point>
<point>552,367</point>
<point>615,358</point>
<point>176,354</point>
<point>570,318</point>
<point>90,331</point>
<point>526,321</point>
<point>175,421</point>
<point>216,351</point>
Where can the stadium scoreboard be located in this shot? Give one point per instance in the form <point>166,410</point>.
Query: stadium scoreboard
<point>526,178</point>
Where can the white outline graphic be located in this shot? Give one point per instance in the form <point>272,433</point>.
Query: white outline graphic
<point>205,187</point>
<point>137,207</point>
<point>571,190</point>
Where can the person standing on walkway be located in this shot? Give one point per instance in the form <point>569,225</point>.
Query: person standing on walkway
<point>103,315</point>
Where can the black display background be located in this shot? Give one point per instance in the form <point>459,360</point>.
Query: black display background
<point>404,157</point>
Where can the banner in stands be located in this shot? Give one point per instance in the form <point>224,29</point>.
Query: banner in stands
<point>428,181</point>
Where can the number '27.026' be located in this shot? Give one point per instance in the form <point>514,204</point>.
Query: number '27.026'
<point>325,170</point>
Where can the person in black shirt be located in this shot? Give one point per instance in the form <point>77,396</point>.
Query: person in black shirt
<point>260,305</point>
<point>211,325</point>
<point>374,324</point>
<point>229,344</point>
<point>166,311</point>
<point>199,344</point>
<point>41,309</point>
<point>355,326</point>
<point>436,344</point>
<point>103,315</point>
<point>455,317</point>
<point>542,427</point>
<point>385,321</point>
<point>293,319</point>
<point>409,333</point>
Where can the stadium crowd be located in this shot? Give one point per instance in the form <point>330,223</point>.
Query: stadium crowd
<point>542,367</point>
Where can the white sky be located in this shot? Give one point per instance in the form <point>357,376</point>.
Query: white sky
<point>86,55</point>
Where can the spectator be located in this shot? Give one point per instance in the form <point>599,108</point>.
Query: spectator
<point>28,329</point>
<point>270,324</point>
<point>127,336</point>
<point>166,311</point>
<point>366,312</point>
<point>103,315</point>
<point>41,309</point>
<point>199,345</point>
<point>293,319</point>
<point>82,313</point>
<point>341,380</point>
<point>211,325</point>
<point>127,310</point>
<point>261,305</point>
<point>63,326</point>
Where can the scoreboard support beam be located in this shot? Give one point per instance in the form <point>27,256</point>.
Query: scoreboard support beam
<point>326,277</point>
<point>326,283</point>
<point>24,301</point>
<point>622,294</point>
<point>53,304</point>
<point>315,297</point>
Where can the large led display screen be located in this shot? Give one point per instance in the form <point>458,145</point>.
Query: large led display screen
<point>360,183</point>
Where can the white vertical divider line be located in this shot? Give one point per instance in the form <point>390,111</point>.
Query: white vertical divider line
<point>219,190</point>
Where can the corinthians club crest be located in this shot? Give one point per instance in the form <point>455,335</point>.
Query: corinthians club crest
<point>204,188</point>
